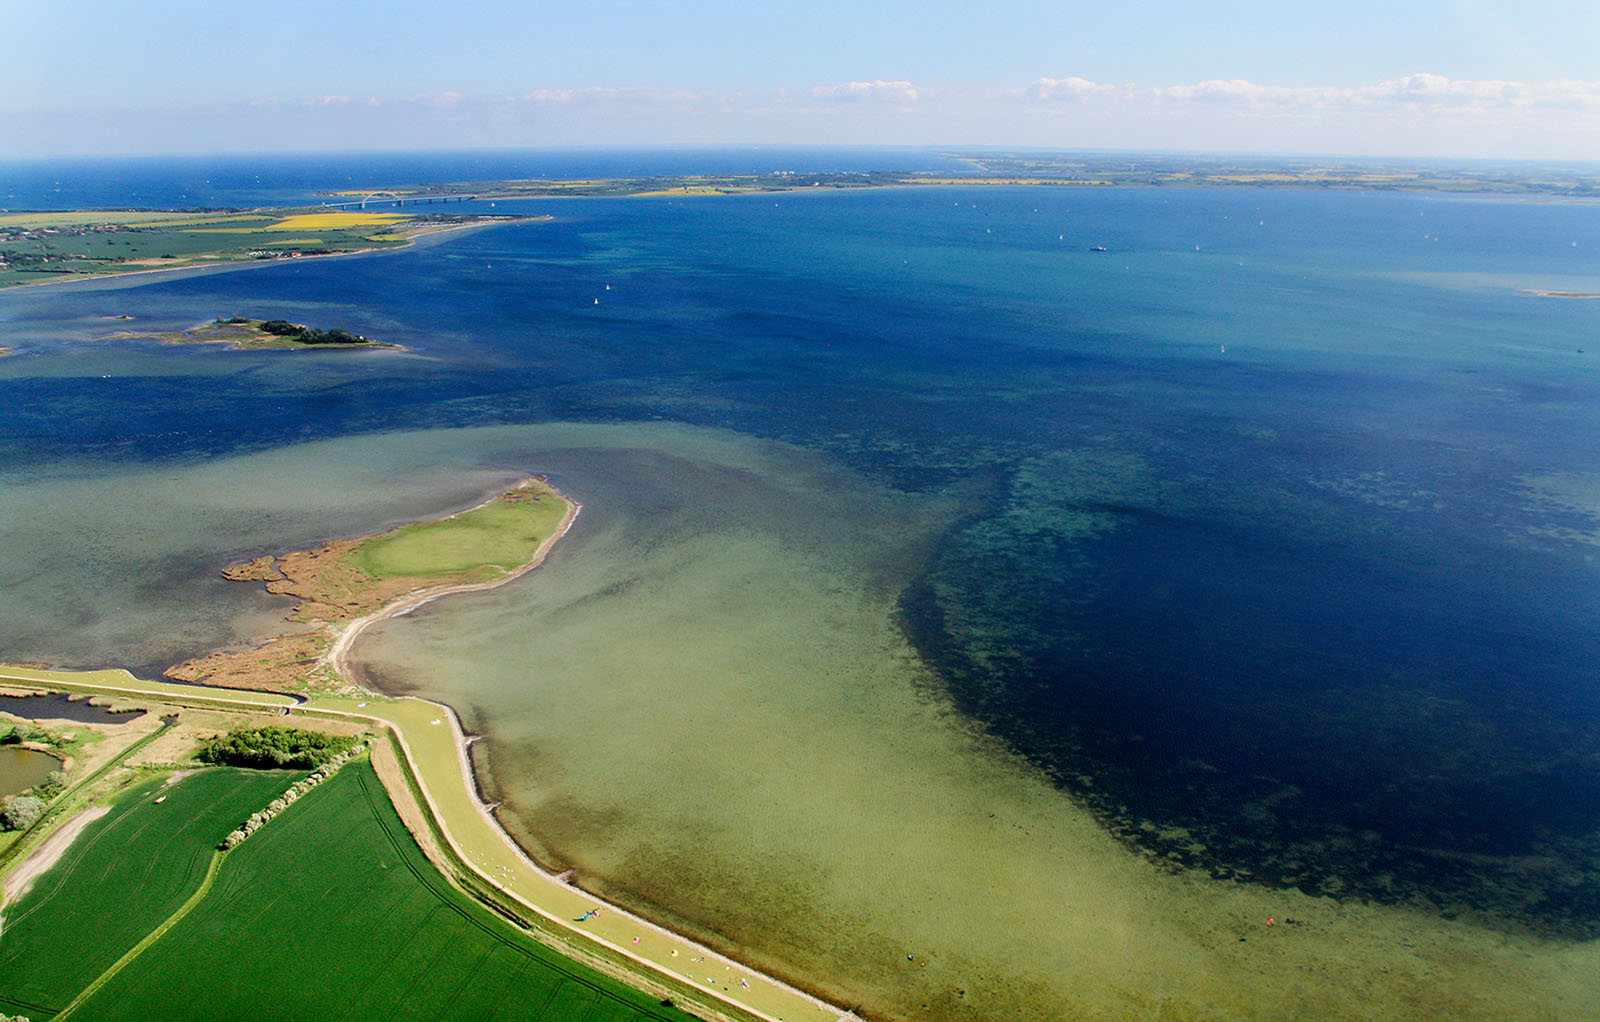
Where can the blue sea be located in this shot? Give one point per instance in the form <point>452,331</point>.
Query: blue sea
<point>1266,536</point>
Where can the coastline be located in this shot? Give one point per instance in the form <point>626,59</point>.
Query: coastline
<point>435,751</point>
<point>285,658</point>
<point>625,931</point>
<point>335,656</point>
<point>430,234</point>
<point>437,776</point>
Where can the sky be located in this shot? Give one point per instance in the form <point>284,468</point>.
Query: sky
<point>1444,78</point>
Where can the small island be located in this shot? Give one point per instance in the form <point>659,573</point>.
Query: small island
<point>343,586</point>
<point>242,334</point>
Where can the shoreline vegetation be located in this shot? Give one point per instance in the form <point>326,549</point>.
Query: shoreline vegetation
<point>346,586</point>
<point>51,248</point>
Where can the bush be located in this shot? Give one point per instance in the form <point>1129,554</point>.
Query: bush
<point>24,732</point>
<point>54,781</point>
<point>21,812</point>
<point>275,746</point>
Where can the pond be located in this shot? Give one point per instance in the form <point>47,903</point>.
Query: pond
<point>24,768</point>
<point>60,706</point>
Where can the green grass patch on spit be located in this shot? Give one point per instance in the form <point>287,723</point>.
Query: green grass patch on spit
<point>480,544</point>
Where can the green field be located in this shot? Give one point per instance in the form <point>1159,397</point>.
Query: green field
<point>122,877</point>
<point>501,535</point>
<point>41,247</point>
<point>331,911</point>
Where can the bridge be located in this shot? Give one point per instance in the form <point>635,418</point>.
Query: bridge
<point>419,198</point>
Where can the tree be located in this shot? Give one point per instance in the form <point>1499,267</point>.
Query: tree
<point>274,746</point>
<point>21,812</point>
<point>25,732</point>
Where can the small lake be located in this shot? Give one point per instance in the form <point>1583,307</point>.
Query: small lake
<point>60,706</point>
<point>24,768</point>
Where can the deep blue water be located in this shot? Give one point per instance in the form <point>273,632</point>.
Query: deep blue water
<point>1267,558</point>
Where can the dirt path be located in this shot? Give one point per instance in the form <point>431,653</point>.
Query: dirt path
<point>20,879</point>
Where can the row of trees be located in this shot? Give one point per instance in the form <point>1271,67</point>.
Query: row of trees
<point>288,798</point>
<point>274,746</point>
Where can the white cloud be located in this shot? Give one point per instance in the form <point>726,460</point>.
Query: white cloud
<point>1235,91</point>
<point>1421,114</point>
<point>619,93</point>
<point>1421,92</point>
<point>875,92</point>
<point>1073,89</point>
<point>1436,90</point>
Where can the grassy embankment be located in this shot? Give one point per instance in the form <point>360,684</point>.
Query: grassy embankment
<point>38,248</point>
<point>429,783</point>
<point>342,581</point>
<point>328,911</point>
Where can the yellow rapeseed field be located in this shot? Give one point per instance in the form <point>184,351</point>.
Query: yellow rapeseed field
<point>334,221</point>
